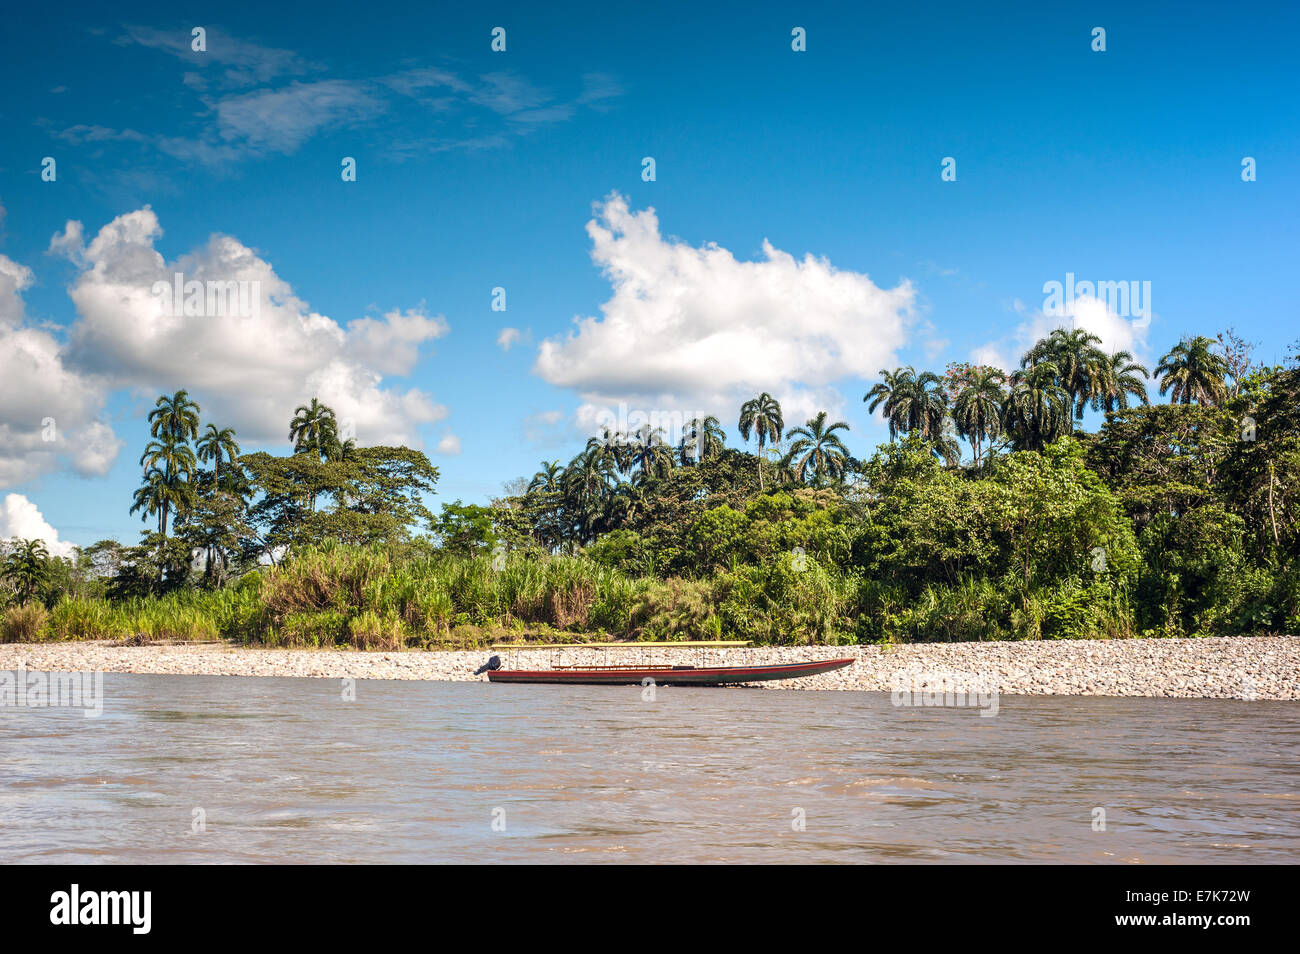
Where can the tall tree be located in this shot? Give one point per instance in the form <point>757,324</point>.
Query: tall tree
<point>762,417</point>
<point>1127,379</point>
<point>1193,371</point>
<point>314,429</point>
<point>173,422</point>
<point>547,480</point>
<point>702,438</point>
<point>1237,352</point>
<point>168,464</point>
<point>1038,409</point>
<point>648,451</point>
<point>816,451</point>
<point>887,395</point>
<point>176,416</point>
<point>911,402</point>
<point>216,444</point>
<point>587,480</point>
<point>977,409</point>
<point>27,567</point>
<point>1082,369</point>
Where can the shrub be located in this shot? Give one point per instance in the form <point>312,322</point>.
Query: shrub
<point>23,624</point>
<point>320,629</point>
<point>675,609</point>
<point>370,630</point>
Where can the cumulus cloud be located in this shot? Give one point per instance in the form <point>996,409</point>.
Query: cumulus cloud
<point>508,337</point>
<point>49,412</point>
<point>449,445</point>
<point>21,519</point>
<point>250,360</point>
<point>1117,333</point>
<point>69,243</point>
<point>696,328</point>
<point>14,278</point>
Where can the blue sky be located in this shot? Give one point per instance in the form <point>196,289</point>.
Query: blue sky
<point>479,169</point>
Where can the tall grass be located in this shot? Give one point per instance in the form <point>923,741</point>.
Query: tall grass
<point>366,598</point>
<point>370,598</point>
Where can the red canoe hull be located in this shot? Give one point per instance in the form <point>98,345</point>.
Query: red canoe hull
<point>668,676</point>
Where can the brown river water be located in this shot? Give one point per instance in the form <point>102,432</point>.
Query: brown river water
<point>220,769</point>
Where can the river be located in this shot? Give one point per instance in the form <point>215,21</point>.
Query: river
<point>221,769</point>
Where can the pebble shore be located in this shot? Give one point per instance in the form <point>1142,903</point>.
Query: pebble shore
<point>1216,668</point>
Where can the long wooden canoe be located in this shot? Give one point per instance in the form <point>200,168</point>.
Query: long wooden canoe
<point>666,675</point>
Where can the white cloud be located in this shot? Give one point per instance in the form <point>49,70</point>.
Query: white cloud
<point>49,412</point>
<point>246,372</point>
<point>392,346</point>
<point>268,100</point>
<point>70,243</point>
<point>507,337</point>
<point>449,445</point>
<point>691,327</point>
<point>283,119</point>
<point>507,93</point>
<point>14,278</point>
<point>20,519</point>
<point>247,62</point>
<point>1117,333</point>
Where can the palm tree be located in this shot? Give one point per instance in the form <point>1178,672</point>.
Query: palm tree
<point>216,444</point>
<point>762,416</point>
<point>176,457</point>
<point>1038,410</point>
<point>151,496</point>
<point>648,451</point>
<point>174,461</point>
<point>314,428</point>
<point>176,417</point>
<point>547,480</point>
<point>977,411</point>
<point>816,451</point>
<point>341,450</point>
<point>27,567</point>
<point>911,402</point>
<point>617,447</point>
<point>703,437</point>
<point>945,446</point>
<point>1083,370</point>
<point>895,386</point>
<point>1194,372</point>
<point>545,497</point>
<point>173,422</point>
<point>621,505</point>
<point>586,481</point>
<point>1126,378</point>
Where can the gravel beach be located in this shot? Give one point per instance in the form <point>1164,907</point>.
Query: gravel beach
<point>1218,668</point>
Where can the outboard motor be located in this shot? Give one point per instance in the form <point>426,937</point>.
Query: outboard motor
<point>492,664</point>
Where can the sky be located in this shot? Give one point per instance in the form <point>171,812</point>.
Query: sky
<point>503,275</point>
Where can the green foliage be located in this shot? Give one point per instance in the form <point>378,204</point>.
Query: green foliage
<point>1172,520</point>
<point>23,624</point>
<point>676,609</point>
<point>792,599</point>
<point>466,529</point>
<point>79,618</point>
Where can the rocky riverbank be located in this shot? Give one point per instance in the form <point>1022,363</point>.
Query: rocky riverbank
<point>1221,668</point>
